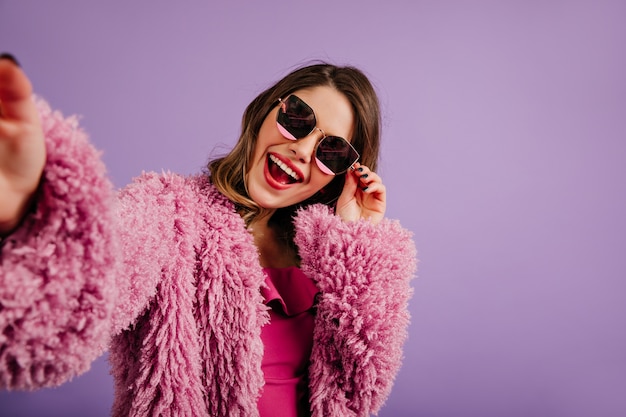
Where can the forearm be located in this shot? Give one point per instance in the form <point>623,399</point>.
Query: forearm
<point>363,272</point>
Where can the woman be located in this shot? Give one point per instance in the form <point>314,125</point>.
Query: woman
<point>272,285</point>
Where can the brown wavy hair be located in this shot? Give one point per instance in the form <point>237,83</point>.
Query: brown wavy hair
<point>228,172</point>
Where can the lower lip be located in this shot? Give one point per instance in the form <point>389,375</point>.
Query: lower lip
<point>270,180</point>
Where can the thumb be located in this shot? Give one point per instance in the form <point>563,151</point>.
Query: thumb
<point>349,188</point>
<point>15,90</point>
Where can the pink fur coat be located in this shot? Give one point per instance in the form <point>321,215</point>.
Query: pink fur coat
<point>165,276</point>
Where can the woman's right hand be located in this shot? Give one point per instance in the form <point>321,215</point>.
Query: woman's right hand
<point>22,147</point>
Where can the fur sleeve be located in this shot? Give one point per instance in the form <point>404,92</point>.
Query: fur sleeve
<point>363,273</point>
<point>56,269</point>
<point>154,233</point>
<point>83,265</point>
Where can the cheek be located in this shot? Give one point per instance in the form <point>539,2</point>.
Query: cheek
<point>319,180</point>
<point>268,132</point>
<point>265,140</point>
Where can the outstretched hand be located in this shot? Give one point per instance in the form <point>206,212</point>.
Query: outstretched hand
<point>363,196</point>
<point>22,148</point>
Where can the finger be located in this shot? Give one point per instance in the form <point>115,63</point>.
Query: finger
<point>366,176</point>
<point>376,190</point>
<point>350,185</point>
<point>370,178</point>
<point>15,93</point>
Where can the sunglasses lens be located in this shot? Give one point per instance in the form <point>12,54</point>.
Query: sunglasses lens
<point>296,118</point>
<point>335,155</point>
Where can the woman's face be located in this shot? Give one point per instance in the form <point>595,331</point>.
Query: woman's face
<point>283,172</point>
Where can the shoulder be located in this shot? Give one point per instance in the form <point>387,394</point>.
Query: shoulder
<point>174,203</point>
<point>193,192</point>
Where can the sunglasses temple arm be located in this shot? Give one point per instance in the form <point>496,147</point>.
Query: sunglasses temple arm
<point>352,168</point>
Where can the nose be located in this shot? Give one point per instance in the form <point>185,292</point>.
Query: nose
<point>303,148</point>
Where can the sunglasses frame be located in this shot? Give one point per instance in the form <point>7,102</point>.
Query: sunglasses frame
<point>288,135</point>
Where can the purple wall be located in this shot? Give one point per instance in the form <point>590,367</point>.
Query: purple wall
<point>504,152</point>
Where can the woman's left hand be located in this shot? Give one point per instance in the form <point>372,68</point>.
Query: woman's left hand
<point>363,196</point>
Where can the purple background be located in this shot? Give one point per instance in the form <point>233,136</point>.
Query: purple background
<point>504,152</point>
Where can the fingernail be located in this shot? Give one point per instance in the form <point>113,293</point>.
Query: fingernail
<point>364,176</point>
<point>364,188</point>
<point>360,169</point>
<point>10,57</point>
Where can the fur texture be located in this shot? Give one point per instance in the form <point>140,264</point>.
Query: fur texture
<point>57,295</point>
<point>169,274</point>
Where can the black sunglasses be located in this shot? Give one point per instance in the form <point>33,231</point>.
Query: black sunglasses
<point>296,120</point>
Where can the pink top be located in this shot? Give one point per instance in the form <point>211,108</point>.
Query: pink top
<point>288,339</point>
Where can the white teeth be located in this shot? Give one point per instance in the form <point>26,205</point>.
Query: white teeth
<point>285,168</point>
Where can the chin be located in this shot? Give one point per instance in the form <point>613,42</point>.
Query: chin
<point>271,201</point>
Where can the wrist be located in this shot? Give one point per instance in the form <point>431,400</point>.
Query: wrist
<point>12,220</point>
<point>7,227</point>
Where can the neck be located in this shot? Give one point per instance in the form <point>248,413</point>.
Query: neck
<point>273,252</point>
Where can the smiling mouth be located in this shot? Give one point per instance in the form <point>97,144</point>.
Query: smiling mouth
<point>280,172</point>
